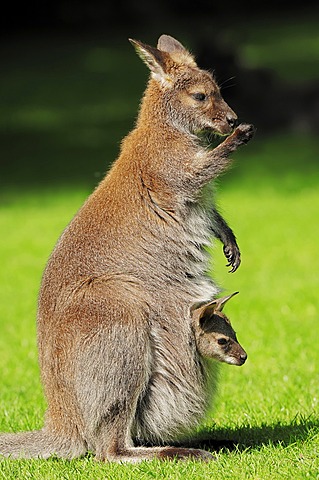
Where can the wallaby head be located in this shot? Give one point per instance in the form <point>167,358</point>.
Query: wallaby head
<point>215,337</point>
<point>190,95</point>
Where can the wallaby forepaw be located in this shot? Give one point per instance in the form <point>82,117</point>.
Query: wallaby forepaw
<point>244,132</point>
<point>232,254</point>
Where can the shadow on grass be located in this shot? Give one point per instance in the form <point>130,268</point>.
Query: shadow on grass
<point>247,437</point>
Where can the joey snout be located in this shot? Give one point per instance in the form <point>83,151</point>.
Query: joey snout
<point>238,356</point>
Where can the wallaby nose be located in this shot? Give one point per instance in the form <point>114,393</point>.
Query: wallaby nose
<point>232,120</point>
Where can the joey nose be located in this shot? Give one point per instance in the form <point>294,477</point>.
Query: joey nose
<point>232,120</point>
<point>243,358</point>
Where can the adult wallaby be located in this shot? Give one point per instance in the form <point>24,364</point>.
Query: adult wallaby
<point>214,335</point>
<point>117,352</point>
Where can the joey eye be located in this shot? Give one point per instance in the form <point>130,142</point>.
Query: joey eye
<point>199,96</point>
<point>222,341</point>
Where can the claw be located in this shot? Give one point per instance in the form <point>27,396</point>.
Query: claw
<point>232,255</point>
<point>235,266</point>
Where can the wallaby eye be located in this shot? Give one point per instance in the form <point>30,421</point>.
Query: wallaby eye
<point>222,341</point>
<point>199,96</point>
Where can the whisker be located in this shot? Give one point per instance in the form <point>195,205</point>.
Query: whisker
<point>227,80</point>
<point>229,86</point>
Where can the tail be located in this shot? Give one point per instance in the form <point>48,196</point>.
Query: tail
<point>39,444</point>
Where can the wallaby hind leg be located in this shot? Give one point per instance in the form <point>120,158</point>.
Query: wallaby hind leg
<point>113,367</point>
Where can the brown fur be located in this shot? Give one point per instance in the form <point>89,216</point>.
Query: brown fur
<point>116,349</point>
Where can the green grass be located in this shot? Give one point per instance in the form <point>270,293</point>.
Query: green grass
<point>269,406</point>
<point>59,129</point>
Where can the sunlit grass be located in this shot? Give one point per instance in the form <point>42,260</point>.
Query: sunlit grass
<point>269,405</point>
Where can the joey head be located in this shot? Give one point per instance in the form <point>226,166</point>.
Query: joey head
<point>214,335</point>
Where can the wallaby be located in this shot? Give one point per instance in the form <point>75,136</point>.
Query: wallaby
<point>215,337</point>
<point>117,352</point>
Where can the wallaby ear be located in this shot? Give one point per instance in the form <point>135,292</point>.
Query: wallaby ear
<point>154,58</point>
<point>166,43</point>
<point>178,52</point>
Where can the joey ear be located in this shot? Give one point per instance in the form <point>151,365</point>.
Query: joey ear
<point>201,310</point>
<point>205,317</point>
<point>217,305</point>
<point>220,302</point>
<point>154,58</point>
<point>178,52</point>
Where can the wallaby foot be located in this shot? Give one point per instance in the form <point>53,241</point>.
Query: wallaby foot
<point>140,454</point>
<point>180,453</point>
